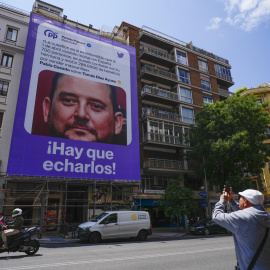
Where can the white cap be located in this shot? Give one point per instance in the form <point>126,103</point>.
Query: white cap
<point>253,196</point>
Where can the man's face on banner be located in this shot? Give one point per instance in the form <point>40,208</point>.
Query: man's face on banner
<point>82,110</point>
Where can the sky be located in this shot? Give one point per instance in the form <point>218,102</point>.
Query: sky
<point>237,30</point>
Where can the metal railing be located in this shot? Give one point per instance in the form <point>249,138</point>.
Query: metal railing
<point>176,42</point>
<point>14,9</point>
<point>224,77</point>
<point>165,164</point>
<point>161,114</point>
<point>162,138</point>
<point>147,49</point>
<point>223,92</point>
<point>159,92</point>
<point>201,51</point>
<point>159,72</point>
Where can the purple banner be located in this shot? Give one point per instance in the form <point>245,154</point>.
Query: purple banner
<point>77,110</point>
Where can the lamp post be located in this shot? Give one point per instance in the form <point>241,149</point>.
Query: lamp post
<point>206,190</point>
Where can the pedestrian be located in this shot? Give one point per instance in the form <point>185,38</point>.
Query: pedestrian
<point>250,224</point>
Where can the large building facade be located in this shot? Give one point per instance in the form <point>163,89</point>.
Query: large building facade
<point>174,79</point>
<point>14,27</point>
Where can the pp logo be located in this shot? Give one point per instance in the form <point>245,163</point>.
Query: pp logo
<point>50,33</point>
<point>88,45</point>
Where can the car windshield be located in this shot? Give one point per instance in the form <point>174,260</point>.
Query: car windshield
<point>99,217</point>
<point>202,222</point>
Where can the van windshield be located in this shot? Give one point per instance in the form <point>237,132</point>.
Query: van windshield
<point>99,217</point>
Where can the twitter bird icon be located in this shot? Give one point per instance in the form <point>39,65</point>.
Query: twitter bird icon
<point>120,55</point>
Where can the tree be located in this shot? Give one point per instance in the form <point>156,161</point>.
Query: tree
<point>177,200</point>
<point>228,140</point>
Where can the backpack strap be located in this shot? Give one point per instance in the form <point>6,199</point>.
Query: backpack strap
<point>257,254</point>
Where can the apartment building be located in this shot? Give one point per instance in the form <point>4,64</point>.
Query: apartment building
<point>175,79</point>
<point>262,93</point>
<point>13,33</point>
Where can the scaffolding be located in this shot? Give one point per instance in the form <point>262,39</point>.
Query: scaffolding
<point>60,205</point>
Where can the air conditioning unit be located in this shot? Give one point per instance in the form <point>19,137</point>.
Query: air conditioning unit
<point>127,197</point>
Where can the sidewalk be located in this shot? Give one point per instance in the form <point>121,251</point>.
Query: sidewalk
<point>158,233</point>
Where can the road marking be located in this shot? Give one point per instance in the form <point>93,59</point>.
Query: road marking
<point>115,259</point>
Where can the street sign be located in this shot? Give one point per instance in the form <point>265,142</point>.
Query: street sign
<point>204,198</point>
<point>204,204</point>
<point>202,193</point>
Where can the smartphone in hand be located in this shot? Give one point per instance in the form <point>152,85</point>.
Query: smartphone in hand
<point>228,187</point>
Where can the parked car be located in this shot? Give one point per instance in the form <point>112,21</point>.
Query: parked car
<point>207,226</point>
<point>116,224</point>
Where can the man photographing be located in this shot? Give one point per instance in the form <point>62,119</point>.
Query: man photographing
<point>248,223</point>
<point>84,110</point>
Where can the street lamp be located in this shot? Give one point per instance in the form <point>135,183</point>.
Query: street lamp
<point>207,212</point>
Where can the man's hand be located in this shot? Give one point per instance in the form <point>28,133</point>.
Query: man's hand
<point>227,196</point>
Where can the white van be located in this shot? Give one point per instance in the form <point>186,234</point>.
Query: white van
<point>116,224</point>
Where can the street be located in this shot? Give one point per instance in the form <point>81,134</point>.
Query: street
<point>190,252</point>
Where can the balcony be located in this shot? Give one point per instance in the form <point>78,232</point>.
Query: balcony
<point>161,164</point>
<point>161,114</point>
<point>158,75</point>
<point>226,80</point>
<point>165,139</point>
<point>159,93</point>
<point>224,93</point>
<point>157,56</point>
<point>206,53</point>
<point>154,191</point>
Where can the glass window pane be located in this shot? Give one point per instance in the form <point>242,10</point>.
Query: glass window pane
<point>14,35</point>
<point>9,34</point>
<point>9,64</point>
<point>3,88</point>
<point>4,60</point>
<point>185,95</point>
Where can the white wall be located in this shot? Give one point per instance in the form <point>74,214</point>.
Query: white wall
<point>10,18</point>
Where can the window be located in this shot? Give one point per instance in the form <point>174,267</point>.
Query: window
<point>147,181</point>
<point>1,120</point>
<point>3,88</point>
<point>12,34</point>
<point>188,115</point>
<point>186,136</point>
<point>207,99</point>
<point>181,58</point>
<point>185,95</point>
<point>7,60</point>
<point>203,66</point>
<point>43,7</point>
<point>112,218</point>
<point>205,85</point>
<point>223,72</point>
<point>267,132</point>
<point>259,101</point>
<point>183,76</point>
